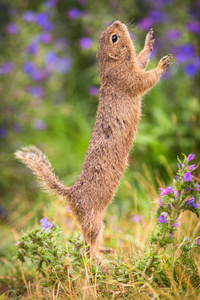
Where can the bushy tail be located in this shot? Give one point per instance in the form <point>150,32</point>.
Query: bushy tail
<point>41,167</point>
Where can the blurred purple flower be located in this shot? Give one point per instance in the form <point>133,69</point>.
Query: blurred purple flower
<point>36,91</point>
<point>6,68</point>
<point>61,44</point>
<point>73,13</point>
<point>85,42</point>
<point>180,166</point>
<point>160,202</point>
<point>161,3</point>
<point>191,203</point>
<point>198,242</point>
<point>39,125</point>
<point>132,36</point>
<point>38,75</point>
<point>63,65</point>
<point>29,16</point>
<point>50,3</point>
<point>42,19</point>
<point>93,90</point>
<point>45,37</point>
<point>173,34</point>
<point>17,127</point>
<point>46,224</point>
<point>190,157</point>
<point>175,224</point>
<point>50,57</point>
<point>176,194</point>
<point>168,190</point>
<point>136,218</point>
<point>32,48</point>
<point>198,187</point>
<point>12,28</point>
<point>82,2</point>
<point>192,167</point>
<point>188,176</point>
<point>171,235</point>
<point>145,23</point>
<point>191,70</point>
<point>162,219</point>
<point>3,132</point>
<point>156,15</point>
<point>193,26</point>
<point>184,53</point>
<point>29,67</point>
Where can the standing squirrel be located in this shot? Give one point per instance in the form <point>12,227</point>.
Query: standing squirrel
<point>123,82</point>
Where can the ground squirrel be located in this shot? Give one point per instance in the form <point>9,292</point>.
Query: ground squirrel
<point>123,82</point>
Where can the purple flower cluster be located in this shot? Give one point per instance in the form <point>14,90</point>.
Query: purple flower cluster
<point>184,196</point>
<point>6,68</point>
<point>46,224</point>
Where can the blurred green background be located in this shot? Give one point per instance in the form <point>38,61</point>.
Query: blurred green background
<point>49,95</point>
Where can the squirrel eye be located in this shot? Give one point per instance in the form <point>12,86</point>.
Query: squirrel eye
<point>114,38</point>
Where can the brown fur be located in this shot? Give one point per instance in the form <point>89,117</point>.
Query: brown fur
<point>123,82</point>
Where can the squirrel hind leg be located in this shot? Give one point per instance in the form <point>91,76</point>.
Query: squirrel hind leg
<point>92,229</point>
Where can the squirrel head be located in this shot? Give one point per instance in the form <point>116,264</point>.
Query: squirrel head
<point>115,45</point>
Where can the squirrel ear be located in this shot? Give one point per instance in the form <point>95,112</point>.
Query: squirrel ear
<point>113,56</point>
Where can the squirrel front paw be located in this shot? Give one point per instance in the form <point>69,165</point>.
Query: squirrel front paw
<point>164,63</point>
<point>149,41</point>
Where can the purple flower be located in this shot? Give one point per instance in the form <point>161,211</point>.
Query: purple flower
<point>168,190</point>
<point>173,34</point>
<point>192,167</point>
<point>32,48</point>
<point>176,194</point>
<point>6,68</point>
<point>12,28</point>
<point>160,202</point>
<point>42,19</point>
<point>145,23</point>
<point>156,15</point>
<point>63,65</point>
<point>175,224</point>
<point>184,53</point>
<point>46,224</point>
<point>28,16</point>
<point>93,91</point>
<point>190,157</point>
<point>171,235</point>
<point>36,91</point>
<point>82,2</point>
<point>73,13</point>
<point>45,37</point>
<point>17,127</point>
<point>29,67</point>
<point>162,219</point>
<point>193,26</point>
<point>3,132</point>
<point>85,42</point>
<point>50,57</point>
<point>39,125</point>
<point>50,3</point>
<point>38,75</point>
<point>198,187</point>
<point>191,203</point>
<point>198,242</point>
<point>191,70</point>
<point>136,218</point>
<point>188,176</point>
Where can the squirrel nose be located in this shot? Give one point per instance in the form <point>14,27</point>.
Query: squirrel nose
<point>117,23</point>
